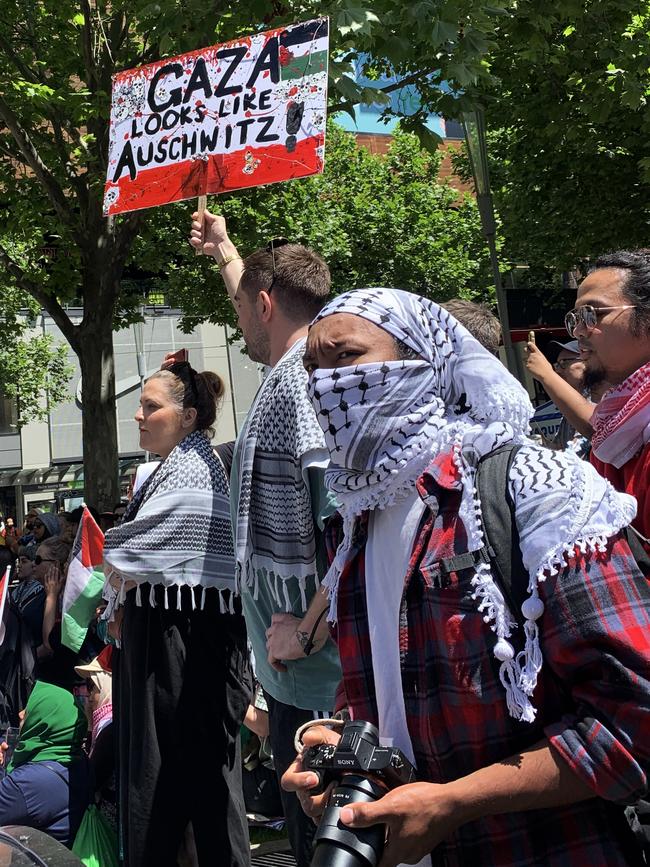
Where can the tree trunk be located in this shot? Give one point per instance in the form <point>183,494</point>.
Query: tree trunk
<point>99,418</point>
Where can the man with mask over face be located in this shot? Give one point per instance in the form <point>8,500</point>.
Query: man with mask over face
<point>528,741</point>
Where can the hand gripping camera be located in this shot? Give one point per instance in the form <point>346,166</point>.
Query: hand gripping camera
<point>364,771</point>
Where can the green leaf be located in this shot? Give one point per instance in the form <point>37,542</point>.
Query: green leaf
<point>374,96</point>
<point>348,88</point>
<point>444,31</point>
<point>355,19</point>
<point>460,74</point>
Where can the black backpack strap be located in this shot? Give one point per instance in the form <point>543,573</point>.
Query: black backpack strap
<point>225,452</point>
<point>637,547</point>
<point>500,527</point>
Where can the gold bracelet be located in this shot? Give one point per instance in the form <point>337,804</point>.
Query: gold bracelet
<point>227,261</point>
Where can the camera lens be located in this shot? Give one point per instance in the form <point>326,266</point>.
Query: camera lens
<point>356,730</point>
<point>335,845</point>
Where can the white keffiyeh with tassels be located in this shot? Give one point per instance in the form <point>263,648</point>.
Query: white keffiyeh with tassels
<point>385,422</point>
<point>176,530</point>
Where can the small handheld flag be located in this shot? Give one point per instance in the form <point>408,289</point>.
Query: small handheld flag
<point>85,582</point>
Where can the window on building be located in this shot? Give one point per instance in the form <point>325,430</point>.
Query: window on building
<point>454,129</point>
<point>8,416</point>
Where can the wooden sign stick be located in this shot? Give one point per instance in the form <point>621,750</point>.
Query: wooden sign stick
<point>202,204</point>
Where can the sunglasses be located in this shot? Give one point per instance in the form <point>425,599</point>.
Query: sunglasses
<point>38,560</point>
<point>565,362</point>
<point>37,524</point>
<point>588,316</point>
<point>271,247</point>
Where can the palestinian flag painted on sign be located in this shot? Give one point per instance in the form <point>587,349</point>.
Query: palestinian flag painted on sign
<point>84,582</point>
<point>241,114</point>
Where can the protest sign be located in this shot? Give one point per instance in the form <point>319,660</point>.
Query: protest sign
<point>241,114</point>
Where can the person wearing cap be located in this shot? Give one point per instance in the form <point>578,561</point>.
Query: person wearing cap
<point>561,373</point>
<point>101,749</point>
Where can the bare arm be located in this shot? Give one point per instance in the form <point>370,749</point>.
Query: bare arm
<point>212,237</point>
<point>257,721</point>
<point>421,815</point>
<point>576,408</point>
<point>53,583</point>
<point>288,636</point>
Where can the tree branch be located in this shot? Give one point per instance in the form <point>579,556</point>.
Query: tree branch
<point>42,172</point>
<point>87,45</point>
<point>20,65</point>
<point>129,227</point>
<point>409,79</point>
<point>79,182</point>
<point>48,302</point>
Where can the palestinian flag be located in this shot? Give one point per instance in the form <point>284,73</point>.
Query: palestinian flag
<point>84,584</point>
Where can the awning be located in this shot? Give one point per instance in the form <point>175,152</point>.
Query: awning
<point>60,474</point>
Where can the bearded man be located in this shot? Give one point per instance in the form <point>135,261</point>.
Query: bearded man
<point>611,321</point>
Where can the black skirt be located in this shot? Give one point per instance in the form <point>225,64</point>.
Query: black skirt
<point>181,689</point>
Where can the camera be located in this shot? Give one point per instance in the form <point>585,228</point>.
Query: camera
<point>363,771</point>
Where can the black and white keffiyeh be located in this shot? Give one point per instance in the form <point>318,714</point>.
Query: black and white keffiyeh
<point>176,530</point>
<point>384,422</point>
<point>274,524</point>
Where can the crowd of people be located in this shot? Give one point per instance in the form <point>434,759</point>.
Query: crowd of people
<point>383,542</point>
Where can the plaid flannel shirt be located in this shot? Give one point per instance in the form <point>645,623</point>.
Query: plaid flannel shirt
<point>593,694</point>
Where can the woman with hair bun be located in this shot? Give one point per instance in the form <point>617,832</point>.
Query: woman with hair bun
<point>181,682</point>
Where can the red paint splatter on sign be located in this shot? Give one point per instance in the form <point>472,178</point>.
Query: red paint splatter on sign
<point>221,173</point>
<point>285,56</point>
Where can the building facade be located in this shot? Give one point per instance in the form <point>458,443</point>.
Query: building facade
<point>42,464</point>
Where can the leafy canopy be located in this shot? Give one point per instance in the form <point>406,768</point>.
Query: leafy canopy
<point>56,62</point>
<point>34,370</point>
<point>570,121</point>
<point>376,220</point>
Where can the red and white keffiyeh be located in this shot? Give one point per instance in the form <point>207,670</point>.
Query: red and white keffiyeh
<point>621,421</point>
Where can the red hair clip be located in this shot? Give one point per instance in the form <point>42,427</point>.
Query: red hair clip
<point>172,358</point>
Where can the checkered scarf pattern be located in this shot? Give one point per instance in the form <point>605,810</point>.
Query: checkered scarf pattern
<point>274,524</point>
<point>385,422</point>
<point>176,530</point>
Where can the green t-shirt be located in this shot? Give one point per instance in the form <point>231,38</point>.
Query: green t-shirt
<point>309,683</point>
